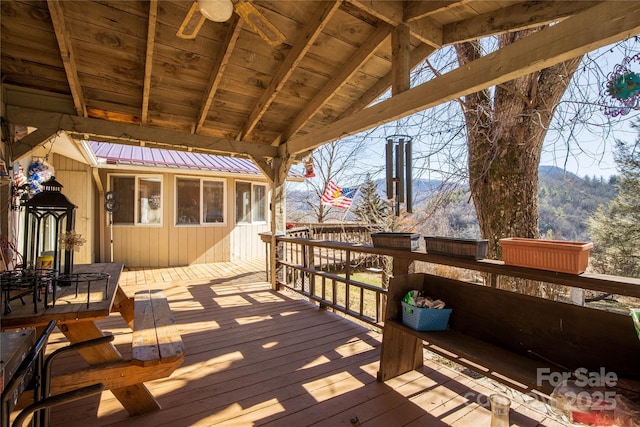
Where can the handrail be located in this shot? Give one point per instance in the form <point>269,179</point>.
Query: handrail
<point>299,272</point>
<point>618,285</point>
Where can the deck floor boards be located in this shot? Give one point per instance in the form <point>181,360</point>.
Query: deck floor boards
<point>258,357</point>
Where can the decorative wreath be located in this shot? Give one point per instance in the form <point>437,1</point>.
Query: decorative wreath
<point>623,88</point>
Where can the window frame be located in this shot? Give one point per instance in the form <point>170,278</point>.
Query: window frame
<point>136,199</point>
<point>201,180</point>
<point>265,202</point>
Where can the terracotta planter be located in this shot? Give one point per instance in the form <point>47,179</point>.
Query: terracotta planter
<point>554,255</point>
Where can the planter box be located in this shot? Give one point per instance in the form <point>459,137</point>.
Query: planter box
<point>461,248</point>
<point>554,255</point>
<point>401,241</point>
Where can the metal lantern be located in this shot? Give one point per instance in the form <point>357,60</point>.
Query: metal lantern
<point>49,215</point>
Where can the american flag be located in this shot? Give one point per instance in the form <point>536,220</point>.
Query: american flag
<point>337,196</point>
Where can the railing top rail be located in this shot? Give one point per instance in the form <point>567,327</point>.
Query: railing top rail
<point>618,285</point>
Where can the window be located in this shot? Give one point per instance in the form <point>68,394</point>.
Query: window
<point>139,199</point>
<point>250,202</point>
<point>199,201</point>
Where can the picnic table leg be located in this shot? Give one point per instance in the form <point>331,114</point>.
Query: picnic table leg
<point>124,304</point>
<point>136,399</point>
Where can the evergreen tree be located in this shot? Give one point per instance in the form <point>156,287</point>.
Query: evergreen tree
<point>372,210</point>
<point>615,229</point>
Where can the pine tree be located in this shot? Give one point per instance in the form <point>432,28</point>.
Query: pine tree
<point>372,210</point>
<point>615,229</point>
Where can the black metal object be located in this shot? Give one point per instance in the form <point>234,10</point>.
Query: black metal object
<point>35,373</point>
<point>82,278</point>
<point>28,376</point>
<point>21,283</point>
<point>48,214</point>
<point>399,172</point>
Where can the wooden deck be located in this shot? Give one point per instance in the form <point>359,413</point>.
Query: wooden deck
<point>258,357</point>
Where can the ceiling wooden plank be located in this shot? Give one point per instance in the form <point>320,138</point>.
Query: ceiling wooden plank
<point>417,56</point>
<point>312,30</point>
<point>363,53</point>
<point>148,63</point>
<point>24,145</point>
<point>228,46</point>
<point>570,38</point>
<point>392,12</point>
<point>417,9</point>
<point>124,133</point>
<point>517,17</point>
<point>68,57</point>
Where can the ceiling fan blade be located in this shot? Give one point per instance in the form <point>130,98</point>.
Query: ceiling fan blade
<point>259,23</point>
<point>192,23</point>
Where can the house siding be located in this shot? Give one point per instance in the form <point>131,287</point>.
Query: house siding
<point>168,245</point>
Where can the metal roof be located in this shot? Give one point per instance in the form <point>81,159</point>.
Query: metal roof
<point>158,157</point>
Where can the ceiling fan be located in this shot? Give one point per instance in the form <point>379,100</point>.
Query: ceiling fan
<point>221,11</point>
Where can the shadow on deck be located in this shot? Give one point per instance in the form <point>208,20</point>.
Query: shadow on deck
<point>258,357</point>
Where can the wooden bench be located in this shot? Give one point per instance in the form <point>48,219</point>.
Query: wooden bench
<point>519,340</point>
<point>156,338</point>
<point>157,347</point>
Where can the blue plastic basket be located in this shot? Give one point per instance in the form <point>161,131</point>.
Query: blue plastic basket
<point>425,319</point>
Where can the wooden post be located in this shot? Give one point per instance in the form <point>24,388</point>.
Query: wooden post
<point>400,65</point>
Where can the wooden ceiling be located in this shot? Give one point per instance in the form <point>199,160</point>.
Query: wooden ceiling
<point>116,70</point>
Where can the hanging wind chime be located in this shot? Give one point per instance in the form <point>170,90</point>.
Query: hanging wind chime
<point>623,88</point>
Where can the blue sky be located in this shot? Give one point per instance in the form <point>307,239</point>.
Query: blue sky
<point>580,140</point>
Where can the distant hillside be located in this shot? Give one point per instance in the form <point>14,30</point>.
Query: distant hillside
<point>565,202</point>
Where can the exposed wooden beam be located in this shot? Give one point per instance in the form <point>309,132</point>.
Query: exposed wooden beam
<point>570,38</point>
<point>364,52</point>
<point>129,134</point>
<point>311,32</point>
<point>228,45</point>
<point>400,68</point>
<point>517,17</point>
<point>148,63</point>
<point>265,167</point>
<point>22,146</point>
<point>392,12</point>
<point>381,86</point>
<point>68,57</point>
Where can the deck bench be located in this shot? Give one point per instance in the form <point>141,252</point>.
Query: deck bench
<point>156,338</point>
<point>516,339</point>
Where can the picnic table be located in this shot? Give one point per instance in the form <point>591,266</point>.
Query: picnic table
<point>157,346</point>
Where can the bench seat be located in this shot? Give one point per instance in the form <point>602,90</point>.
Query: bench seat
<point>156,338</point>
<point>516,339</point>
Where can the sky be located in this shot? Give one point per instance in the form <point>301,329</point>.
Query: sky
<point>580,140</point>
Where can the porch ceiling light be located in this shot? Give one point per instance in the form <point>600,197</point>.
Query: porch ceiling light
<point>216,10</point>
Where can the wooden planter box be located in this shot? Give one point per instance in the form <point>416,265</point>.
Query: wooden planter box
<point>401,241</point>
<point>554,255</point>
<point>461,248</point>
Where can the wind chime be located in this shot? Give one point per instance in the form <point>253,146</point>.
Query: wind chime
<point>398,163</point>
<point>623,88</point>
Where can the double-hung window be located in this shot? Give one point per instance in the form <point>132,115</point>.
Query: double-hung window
<point>251,203</point>
<point>199,201</point>
<point>139,199</point>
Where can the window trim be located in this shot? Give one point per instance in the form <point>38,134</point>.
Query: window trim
<point>266,206</point>
<point>136,202</point>
<point>200,180</point>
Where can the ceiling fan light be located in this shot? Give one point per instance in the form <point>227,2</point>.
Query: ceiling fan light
<point>216,10</point>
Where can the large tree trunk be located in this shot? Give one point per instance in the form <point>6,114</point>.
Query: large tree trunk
<point>505,133</point>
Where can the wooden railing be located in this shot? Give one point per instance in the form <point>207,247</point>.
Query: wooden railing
<point>298,270</point>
